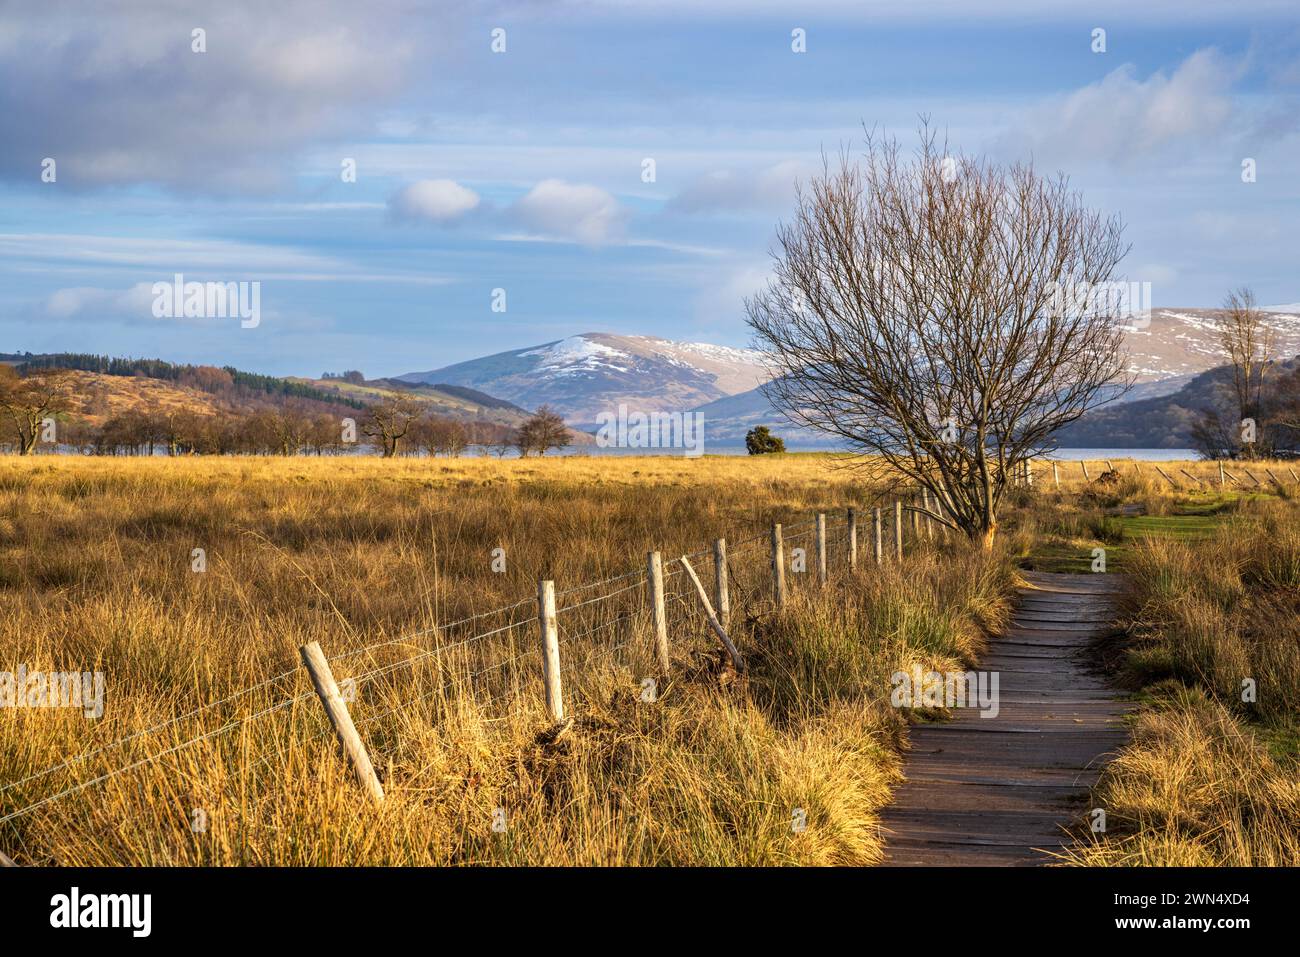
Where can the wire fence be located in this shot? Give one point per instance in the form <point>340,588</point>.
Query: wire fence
<point>606,624</point>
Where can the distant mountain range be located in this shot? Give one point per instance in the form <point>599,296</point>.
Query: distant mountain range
<point>1166,356</point>
<point>1157,422</point>
<point>585,375</point>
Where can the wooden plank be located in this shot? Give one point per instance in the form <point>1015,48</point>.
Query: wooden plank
<point>999,790</point>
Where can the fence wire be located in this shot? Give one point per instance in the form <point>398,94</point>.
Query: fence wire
<point>686,617</point>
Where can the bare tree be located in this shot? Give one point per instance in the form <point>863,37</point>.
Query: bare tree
<point>290,427</point>
<point>27,400</point>
<point>544,430</point>
<point>1248,343</point>
<point>943,317</point>
<point>389,420</point>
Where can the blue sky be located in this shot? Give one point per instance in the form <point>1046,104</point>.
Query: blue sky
<point>522,170</point>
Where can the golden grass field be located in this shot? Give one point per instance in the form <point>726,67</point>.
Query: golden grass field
<point>373,559</point>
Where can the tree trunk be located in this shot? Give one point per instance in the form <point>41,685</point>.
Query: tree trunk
<point>986,536</point>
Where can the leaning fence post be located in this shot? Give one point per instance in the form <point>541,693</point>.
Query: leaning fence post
<point>898,529</point>
<point>1086,476</point>
<point>322,678</point>
<point>853,539</point>
<point>732,651</point>
<point>1222,480</point>
<point>720,581</point>
<point>657,610</point>
<point>821,548</point>
<point>876,523</point>
<point>550,650</point>
<point>778,567</point>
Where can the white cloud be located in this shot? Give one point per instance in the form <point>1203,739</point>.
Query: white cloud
<point>585,214</point>
<point>721,297</point>
<point>93,302</point>
<point>434,201</point>
<point>118,95</point>
<point>1122,118</point>
<point>1018,10</point>
<point>729,191</point>
<point>201,260</point>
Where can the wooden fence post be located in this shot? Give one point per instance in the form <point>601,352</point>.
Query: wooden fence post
<point>821,548</point>
<point>853,539</point>
<point>879,548</point>
<point>550,650</point>
<point>778,567</point>
<point>916,523</point>
<point>898,529</point>
<point>1167,478</point>
<point>322,678</point>
<point>720,582</point>
<point>732,651</point>
<point>1086,476</point>
<point>1222,479</point>
<point>1056,476</point>
<point>660,617</point>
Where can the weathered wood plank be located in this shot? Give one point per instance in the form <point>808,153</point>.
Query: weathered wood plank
<point>1001,790</point>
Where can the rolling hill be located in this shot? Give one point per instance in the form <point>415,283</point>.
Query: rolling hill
<point>587,374</point>
<point>1167,359</point>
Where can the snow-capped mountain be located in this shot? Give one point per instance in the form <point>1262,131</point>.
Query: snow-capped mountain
<point>1179,343</point>
<point>1165,355</point>
<point>585,375</point>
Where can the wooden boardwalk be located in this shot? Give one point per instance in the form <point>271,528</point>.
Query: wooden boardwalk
<point>997,791</point>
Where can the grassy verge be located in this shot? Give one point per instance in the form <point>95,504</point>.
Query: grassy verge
<point>367,557</point>
<point>1212,776</point>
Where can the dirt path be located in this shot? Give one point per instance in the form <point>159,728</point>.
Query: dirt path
<point>991,791</point>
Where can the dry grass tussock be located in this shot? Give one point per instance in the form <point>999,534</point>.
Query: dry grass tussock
<point>1212,779</point>
<point>374,560</point>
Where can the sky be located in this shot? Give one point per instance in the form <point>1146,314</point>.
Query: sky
<point>615,166</point>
